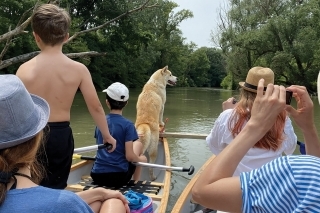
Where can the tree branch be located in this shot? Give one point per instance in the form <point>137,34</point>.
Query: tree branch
<point>85,54</point>
<point>5,48</point>
<point>143,6</point>
<point>28,56</point>
<point>18,30</point>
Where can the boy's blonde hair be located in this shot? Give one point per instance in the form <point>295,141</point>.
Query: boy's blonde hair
<point>51,23</point>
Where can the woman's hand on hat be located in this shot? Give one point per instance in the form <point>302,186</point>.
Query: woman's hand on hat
<point>229,104</point>
<point>303,115</point>
<point>266,107</point>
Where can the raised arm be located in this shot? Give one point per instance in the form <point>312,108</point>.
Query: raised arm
<point>216,188</point>
<point>94,106</point>
<point>304,118</point>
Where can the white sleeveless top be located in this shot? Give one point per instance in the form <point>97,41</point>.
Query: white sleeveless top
<point>220,137</point>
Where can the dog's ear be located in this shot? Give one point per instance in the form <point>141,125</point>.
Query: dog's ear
<point>164,69</point>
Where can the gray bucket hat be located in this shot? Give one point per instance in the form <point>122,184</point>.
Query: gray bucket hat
<point>22,115</point>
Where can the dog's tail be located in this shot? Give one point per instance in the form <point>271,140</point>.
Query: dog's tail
<point>144,134</point>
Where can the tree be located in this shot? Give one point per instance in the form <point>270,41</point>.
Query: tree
<point>278,34</point>
<point>14,14</point>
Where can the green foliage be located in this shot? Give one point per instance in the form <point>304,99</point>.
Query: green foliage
<point>135,45</point>
<point>281,34</point>
<point>227,82</point>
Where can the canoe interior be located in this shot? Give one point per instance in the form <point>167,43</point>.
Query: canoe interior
<point>184,204</point>
<point>83,168</point>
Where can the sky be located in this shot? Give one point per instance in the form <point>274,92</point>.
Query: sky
<point>205,20</point>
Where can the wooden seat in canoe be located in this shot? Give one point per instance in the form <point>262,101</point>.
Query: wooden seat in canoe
<point>146,187</point>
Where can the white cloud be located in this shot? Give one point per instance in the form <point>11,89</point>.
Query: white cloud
<point>205,20</point>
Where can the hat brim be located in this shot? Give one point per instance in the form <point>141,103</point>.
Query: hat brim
<point>42,110</point>
<point>246,88</point>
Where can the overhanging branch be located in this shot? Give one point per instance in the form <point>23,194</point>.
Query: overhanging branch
<point>143,6</point>
<point>28,56</point>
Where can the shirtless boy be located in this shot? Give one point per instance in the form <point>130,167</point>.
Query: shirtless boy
<point>56,78</point>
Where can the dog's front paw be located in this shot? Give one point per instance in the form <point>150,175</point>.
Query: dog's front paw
<point>152,176</point>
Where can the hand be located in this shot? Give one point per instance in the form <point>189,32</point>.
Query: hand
<point>266,107</point>
<point>107,194</point>
<point>229,104</point>
<point>111,141</point>
<point>101,194</point>
<point>303,115</point>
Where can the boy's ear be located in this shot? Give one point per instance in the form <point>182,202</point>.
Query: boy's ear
<point>36,37</point>
<point>66,38</point>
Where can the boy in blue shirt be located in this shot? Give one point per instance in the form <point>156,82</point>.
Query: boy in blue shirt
<point>115,169</point>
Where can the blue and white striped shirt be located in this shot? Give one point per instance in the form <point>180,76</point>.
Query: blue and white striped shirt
<point>288,184</point>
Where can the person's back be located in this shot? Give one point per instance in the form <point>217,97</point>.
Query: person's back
<point>115,169</point>
<point>56,78</point>
<point>42,199</point>
<point>278,140</point>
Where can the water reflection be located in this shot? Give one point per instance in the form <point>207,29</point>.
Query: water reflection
<point>190,110</point>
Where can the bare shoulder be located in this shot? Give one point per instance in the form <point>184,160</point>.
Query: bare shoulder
<point>78,66</point>
<point>26,66</point>
<point>26,69</point>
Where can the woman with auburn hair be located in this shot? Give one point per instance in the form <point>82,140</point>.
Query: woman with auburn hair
<point>22,118</point>
<point>278,140</point>
<point>286,184</point>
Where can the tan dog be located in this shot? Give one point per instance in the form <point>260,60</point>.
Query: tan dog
<point>150,108</point>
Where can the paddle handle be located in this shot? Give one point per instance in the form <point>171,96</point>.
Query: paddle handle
<point>107,146</point>
<point>189,170</point>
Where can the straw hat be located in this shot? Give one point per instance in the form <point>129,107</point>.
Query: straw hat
<point>22,115</point>
<point>253,77</point>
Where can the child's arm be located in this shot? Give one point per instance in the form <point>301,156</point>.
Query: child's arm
<point>95,108</point>
<point>130,155</point>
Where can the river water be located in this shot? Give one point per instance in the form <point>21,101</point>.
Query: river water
<point>190,110</point>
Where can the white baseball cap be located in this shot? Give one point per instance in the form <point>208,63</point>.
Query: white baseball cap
<point>117,91</point>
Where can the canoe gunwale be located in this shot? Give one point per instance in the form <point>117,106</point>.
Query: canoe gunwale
<point>164,196</point>
<point>185,195</point>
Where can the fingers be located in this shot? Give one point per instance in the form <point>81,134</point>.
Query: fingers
<point>229,103</point>
<point>282,93</point>
<point>273,92</point>
<point>123,198</point>
<point>301,95</point>
<point>114,145</point>
<point>260,88</point>
<point>127,208</point>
